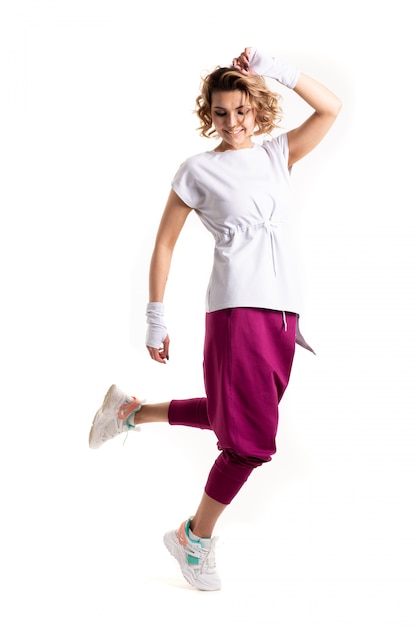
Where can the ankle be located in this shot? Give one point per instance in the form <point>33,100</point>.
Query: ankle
<point>200,531</point>
<point>132,419</point>
<point>151,413</point>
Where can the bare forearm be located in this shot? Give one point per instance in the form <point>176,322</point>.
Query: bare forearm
<point>326,107</point>
<point>172,221</point>
<point>318,96</point>
<point>158,272</point>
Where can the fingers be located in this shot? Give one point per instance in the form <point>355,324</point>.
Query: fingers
<point>165,348</point>
<point>241,62</point>
<point>156,354</point>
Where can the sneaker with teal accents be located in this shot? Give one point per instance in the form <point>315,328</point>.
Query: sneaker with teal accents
<point>196,557</point>
<point>112,418</point>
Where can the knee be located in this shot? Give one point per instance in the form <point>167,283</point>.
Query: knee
<point>245,460</point>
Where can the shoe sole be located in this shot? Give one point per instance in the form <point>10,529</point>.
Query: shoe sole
<point>104,406</point>
<point>177,551</point>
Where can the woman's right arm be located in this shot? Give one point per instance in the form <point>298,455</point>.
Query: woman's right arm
<point>171,224</point>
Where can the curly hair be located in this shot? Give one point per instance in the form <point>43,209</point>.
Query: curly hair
<point>268,113</point>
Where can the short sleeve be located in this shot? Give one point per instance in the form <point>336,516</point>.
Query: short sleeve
<point>278,146</point>
<point>186,187</point>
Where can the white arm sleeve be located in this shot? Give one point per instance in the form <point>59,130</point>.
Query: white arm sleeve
<point>156,331</point>
<point>265,65</point>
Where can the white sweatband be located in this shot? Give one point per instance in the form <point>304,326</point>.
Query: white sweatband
<point>264,65</point>
<point>156,331</point>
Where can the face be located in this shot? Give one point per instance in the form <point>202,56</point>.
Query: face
<point>233,118</point>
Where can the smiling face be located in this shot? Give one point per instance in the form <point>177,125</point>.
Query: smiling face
<point>233,118</point>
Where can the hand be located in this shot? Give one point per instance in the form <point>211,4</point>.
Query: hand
<point>161,355</point>
<point>241,63</point>
<point>254,62</point>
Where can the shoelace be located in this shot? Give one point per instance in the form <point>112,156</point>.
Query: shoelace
<point>130,427</point>
<point>206,556</point>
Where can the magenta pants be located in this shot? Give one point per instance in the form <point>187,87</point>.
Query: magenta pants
<point>248,355</point>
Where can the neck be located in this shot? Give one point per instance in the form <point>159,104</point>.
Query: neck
<point>225,147</point>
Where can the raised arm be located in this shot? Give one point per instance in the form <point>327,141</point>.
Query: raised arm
<point>171,224</point>
<point>325,103</point>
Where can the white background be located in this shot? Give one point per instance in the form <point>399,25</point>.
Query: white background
<point>97,101</point>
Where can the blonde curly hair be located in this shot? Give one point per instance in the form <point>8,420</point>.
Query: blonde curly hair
<point>265,102</point>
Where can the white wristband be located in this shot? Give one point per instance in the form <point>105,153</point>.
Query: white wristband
<point>264,65</point>
<point>156,331</point>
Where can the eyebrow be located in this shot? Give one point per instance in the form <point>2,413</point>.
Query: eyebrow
<point>239,107</point>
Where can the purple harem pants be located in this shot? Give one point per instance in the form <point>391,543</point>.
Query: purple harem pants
<point>248,355</point>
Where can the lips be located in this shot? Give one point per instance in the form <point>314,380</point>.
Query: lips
<point>234,134</point>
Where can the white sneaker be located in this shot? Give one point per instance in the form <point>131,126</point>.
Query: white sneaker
<point>111,418</point>
<point>196,558</point>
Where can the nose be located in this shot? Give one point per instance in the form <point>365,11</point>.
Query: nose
<point>231,120</point>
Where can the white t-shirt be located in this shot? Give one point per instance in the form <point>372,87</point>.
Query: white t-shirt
<point>243,198</point>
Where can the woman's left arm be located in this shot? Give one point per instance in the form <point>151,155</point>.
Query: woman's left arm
<point>326,105</point>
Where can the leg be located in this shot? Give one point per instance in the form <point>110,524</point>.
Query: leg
<point>244,387</point>
<point>204,521</point>
<point>150,413</point>
<point>121,412</point>
<point>245,384</point>
<point>191,412</point>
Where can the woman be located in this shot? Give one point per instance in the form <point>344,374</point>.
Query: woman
<point>241,192</point>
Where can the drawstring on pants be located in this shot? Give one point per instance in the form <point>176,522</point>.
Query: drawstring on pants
<point>284,321</point>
